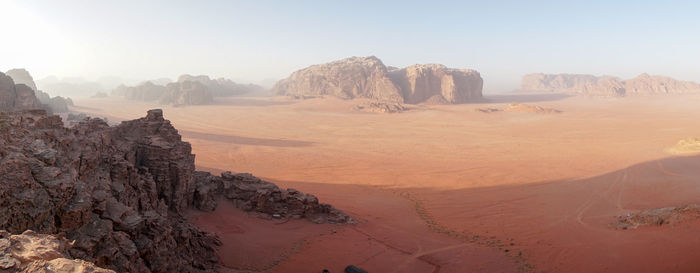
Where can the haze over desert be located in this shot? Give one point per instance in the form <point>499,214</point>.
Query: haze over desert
<point>349,137</point>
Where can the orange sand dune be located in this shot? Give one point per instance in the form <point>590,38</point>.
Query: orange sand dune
<point>445,188</point>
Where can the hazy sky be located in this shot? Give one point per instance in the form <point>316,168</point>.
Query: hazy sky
<point>256,40</point>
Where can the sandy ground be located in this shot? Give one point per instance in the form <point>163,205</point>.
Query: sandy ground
<point>450,189</point>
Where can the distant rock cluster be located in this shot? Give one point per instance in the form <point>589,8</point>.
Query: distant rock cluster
<point>24,83</point>
<point>643,84</point>
<point>368,77</point>
<point>188,90</point>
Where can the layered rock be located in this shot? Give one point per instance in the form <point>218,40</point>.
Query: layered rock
<point>436,83</point>
<point>120,192</point>
<point>368,77</point>
<point>32,252</point>
<point>56,104</point>
<point>643,84</point>
<point>222,87</point>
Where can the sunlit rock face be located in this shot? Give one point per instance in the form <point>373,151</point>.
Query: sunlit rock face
<point>368,77</point>
<point>643,84</point>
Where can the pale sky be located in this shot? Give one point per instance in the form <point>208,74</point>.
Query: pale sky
<point>256,40</point>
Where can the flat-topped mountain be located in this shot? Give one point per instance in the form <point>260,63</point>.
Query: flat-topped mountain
<point>368,77</point>
<point>643,84</point>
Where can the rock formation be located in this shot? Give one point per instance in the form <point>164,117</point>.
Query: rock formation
<point>435,83</point>
<point>688,146</point>
<point>32,252</point>
<point>368,77</point>
<point>16,96</point>
<point>186,93</point>
<point>120,192</point>
<point>222,87</point>
<point>643,84</point>
<point>526,108</point>
<point>380,107</point>
<point>177,93</point>
<point>53,104</point>
<point>657,217</point>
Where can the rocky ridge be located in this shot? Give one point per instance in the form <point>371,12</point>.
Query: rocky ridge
<point>120,192</point>
<point>368,77</point>
<point>643,84</point>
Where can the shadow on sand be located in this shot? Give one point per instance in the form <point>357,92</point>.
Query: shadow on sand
<point>245,140</point>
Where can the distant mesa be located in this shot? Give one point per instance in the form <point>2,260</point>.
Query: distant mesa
<point>188,90</point>
<point>608,86</point>
<point>688,146</point>
<point>368,77</point>
<point>18,92</point>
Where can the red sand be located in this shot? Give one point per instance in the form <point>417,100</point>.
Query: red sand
<point>444,188</point>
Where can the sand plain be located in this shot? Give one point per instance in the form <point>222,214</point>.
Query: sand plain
<point>444,188</point>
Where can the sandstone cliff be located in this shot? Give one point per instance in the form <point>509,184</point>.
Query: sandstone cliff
<point>643,84</point>
<point>120,192</point>
<point>368,77</point>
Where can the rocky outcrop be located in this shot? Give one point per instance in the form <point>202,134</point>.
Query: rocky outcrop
<point>22,76</point>
<point>688,146</point>
<point>177,93</point>
<point>643,84</point>
<point>222,87</point>
<point>120,192</point>
<point>16,96</point>
<point>186,93</point>
<point>435,83</point>
<point>368,77</point>
<point>53,104</point>
<point>658,217</point>
<point>380,107</point>
<point>32,252</point>
<point>250,193</point>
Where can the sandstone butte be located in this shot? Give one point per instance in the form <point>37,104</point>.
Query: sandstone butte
<point>643,84</point>
<point>368,77</point>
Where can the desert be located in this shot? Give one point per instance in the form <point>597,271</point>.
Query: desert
<point>349,137</point>
<point>470,194</point>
